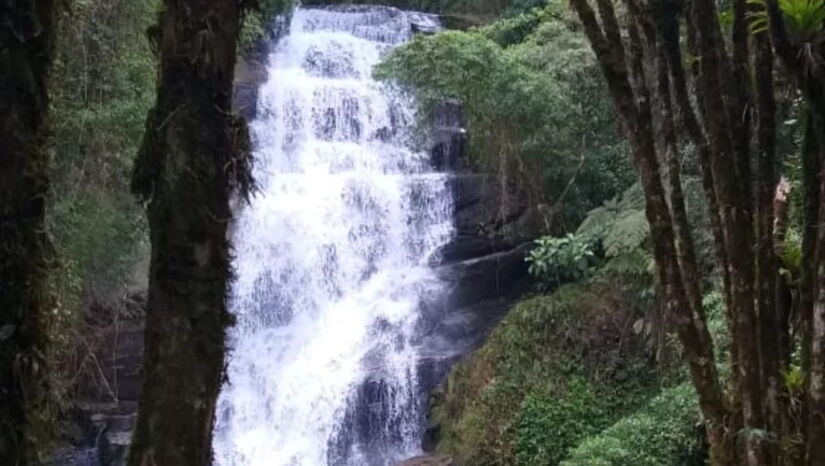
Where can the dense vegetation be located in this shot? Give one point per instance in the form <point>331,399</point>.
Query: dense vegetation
<point>536,107</point>
<point>103,84</point>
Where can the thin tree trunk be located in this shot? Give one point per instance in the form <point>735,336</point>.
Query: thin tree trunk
<point>636,120</point>
<point>192,157</point>
<point>767,269</point>
<point>738,99</point>
<point>668,25</point>
<point>25,60</point>
<point>809,79</point>
<point>683,238</point>
<point>816,320</point>
<point>735,207</point>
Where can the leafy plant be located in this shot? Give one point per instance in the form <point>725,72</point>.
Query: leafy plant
<point>558,368</point>
<point>803,17</point>
<point>556,260</point>
<point>259,19</point>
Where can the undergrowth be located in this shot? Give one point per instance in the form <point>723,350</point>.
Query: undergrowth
<point>559,368</point>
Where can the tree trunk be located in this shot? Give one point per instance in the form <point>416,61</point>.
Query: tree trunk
<point>25,59</point>
<point>767,271</point>
<point>632,103</point>
<point>801,63</point>
<point>735,209</point>
<point>816,386</point>
<point>668,26</point>
<point>192,158</point>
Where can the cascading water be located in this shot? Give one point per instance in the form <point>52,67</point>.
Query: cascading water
<point>332,255</point>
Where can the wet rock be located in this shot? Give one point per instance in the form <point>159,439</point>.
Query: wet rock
<point>250,73</point>
<point>101,428</point>
<point>427,460</point>
<point>489,277</point>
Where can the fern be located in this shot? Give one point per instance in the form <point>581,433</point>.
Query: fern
<point>804,17</point>
<point>628,233</point>
<point>599,220</point>
<point>757,17</point>
<point>635,263</point>
<point>620,224</point>
<point>633,198</point>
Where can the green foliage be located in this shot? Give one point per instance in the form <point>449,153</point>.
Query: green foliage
<point>102,85</point>
<point>619,228</point>
<point>515,29</point>
<point>714,305</point>
<point>536,108</point>
<point>260,19</point>
<point>619,223</point>
<point>557,260</point>
<point>803,17</point>
<point>558,368</point>
<point>548,425</point>
<point>790,252</point>
<point>661,434</point>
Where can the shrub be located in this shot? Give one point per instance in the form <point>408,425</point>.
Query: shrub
<point>661,434</point>
<point>549,424</point>
<point>554,261</point>
<point>558,368</point>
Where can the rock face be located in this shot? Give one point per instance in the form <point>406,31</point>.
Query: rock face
<point>116,420</point>
<point>484,263</point>
<point>427,461</point>
<point>100,428</point>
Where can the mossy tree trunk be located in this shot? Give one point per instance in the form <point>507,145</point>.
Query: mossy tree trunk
<point>26,29</point>
<point>192,159</point>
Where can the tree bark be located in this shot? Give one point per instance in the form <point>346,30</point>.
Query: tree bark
<point>636,120</point>
<point>767,271</point>
<point>736,214</point>
<point>192,159</point>
<point>668,25</point>
<point>803,63</point>
<point>816,387</point>
<point>26,36</point>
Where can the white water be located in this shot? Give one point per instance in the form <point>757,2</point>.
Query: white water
<point>331,256</point>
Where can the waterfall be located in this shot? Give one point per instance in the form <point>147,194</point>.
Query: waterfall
<point>332,256</point>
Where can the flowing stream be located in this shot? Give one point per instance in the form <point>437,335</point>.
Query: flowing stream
<point>332,255</point>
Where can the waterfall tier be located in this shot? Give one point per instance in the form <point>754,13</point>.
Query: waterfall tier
<point>332,255</point>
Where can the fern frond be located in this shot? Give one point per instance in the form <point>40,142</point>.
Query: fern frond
<point>598,221</point>
<point>635,263</point>
<point>628,232</point>
<point>633,198</point>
